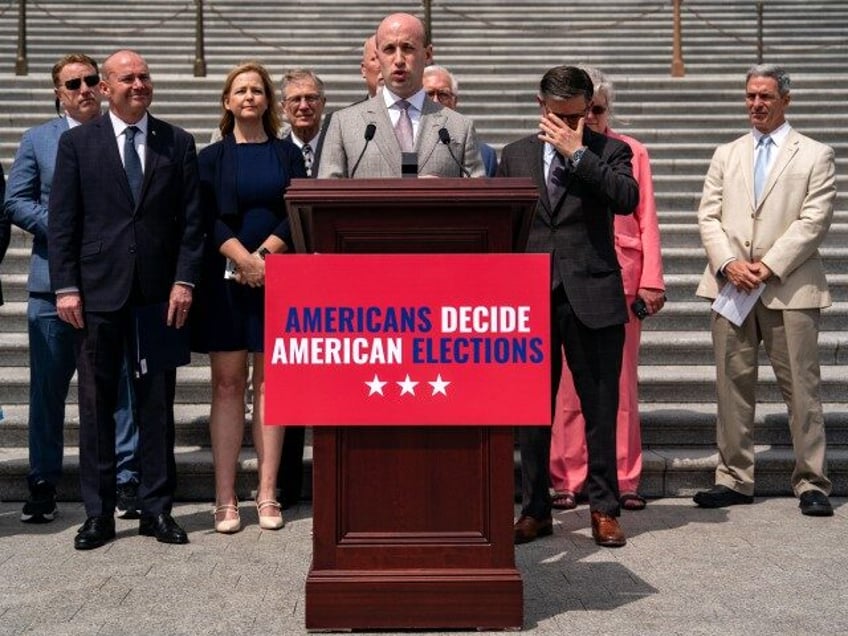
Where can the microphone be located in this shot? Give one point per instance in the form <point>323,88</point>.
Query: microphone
<point>445,138</point>
<point>370,129</point>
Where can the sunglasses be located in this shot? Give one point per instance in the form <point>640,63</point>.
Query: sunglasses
<point>90,80</point>
<point>598,110</point>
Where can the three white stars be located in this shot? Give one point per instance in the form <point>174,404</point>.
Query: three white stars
<point>407,385</point>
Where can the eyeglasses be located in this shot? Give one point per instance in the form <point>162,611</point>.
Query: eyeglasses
<point>309,99</point>
<point>598,110</point>
<point>441,96</point>
<point>571,119</point>
<point>90,80</point>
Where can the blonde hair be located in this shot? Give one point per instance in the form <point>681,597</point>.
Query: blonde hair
<point>271,116</point>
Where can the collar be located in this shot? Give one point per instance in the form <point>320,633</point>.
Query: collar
<point>297,141</point>
<point>778,135</point>
<point>416,100</point>
<point>119,125</point>
<point>72,123</point>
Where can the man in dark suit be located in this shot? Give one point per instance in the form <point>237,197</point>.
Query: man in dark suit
<point>303,102</point>
<point>125,231</point>
<point>584,178</point>
<point>375,138</point>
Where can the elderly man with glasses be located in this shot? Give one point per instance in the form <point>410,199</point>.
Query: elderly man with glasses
<point>441,86</point>
<point>303,106</point>
<point>76,85</point>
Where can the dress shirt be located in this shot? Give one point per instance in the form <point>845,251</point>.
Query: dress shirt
<point>120,127</point>
<point>416,103</point>
<point>550,151</point>
<point>313,143</point>
<point>778,138</point>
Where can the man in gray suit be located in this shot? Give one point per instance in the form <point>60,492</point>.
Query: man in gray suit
<point>766,208</point>
<point>584,178</point>
<point>51,341</point>
<point>385,135</point>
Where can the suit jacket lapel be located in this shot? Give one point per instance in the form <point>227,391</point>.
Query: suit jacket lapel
<point>536,159</point>
<point>113,157</point>
<point>152,153</point>
<point>784,156</point>
<point>377,113</point>
<point>432,120</point>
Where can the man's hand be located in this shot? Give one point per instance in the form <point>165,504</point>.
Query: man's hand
<point>763,271</point>
<point>69,308</point>
<point>178,305</point>
<point>557,133</point>
<point>744,276</point>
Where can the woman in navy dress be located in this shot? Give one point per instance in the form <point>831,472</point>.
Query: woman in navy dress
<point>243,180</point>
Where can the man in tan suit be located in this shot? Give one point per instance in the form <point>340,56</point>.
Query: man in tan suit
<point>766,207</point>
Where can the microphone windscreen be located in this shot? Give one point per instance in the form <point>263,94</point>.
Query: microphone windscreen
<point>370,129</point>
<point>444,136</point>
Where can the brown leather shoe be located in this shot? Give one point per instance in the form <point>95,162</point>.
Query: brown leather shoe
<point>527,529</point>
<point>606,531</point>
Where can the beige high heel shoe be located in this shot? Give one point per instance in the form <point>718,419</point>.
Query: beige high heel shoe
<point>227,526</point>
<point>270,522</point>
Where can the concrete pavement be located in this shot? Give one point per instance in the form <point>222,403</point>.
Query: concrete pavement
<point>748,570</point>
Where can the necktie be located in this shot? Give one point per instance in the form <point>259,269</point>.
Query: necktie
<point>308,158</point>
<point>132,163</point>
<point>764,148</point>
<point>556,178</point>
<point>403,128</point>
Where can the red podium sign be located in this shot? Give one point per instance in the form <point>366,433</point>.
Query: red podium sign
<point>355,339</point>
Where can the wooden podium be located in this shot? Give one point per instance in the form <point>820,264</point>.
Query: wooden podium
<point>412,525</point>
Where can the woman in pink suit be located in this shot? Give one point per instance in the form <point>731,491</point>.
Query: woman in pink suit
<point>637,245</point>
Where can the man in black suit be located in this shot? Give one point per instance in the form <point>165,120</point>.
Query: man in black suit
<point>303,102</point>
<point>583,178</point>
<point>124,229</point>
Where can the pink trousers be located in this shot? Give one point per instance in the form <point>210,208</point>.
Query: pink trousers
<point>569,463</point>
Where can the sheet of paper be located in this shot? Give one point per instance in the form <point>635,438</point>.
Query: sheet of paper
<point>735,305</point>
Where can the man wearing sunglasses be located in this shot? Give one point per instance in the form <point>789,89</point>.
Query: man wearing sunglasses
<point>51,346</point>
<point>584,179</point>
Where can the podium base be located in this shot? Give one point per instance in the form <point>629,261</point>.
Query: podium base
<point>414,599</point>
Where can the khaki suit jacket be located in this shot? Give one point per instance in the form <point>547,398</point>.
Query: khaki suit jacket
<point>345,141</point>
<point>784,230</point>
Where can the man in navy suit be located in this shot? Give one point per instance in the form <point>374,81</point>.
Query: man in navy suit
<point>51,350</point>
<point>583,179</point>
<point>125,231</point>
<point>442,87</point>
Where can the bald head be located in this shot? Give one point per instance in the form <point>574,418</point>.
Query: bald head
<point>127,86</point>
<point>369,67</point>
<point>402,53</point>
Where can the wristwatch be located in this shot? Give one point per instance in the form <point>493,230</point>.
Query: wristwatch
<point>577,155</point>
<point>263,252</point>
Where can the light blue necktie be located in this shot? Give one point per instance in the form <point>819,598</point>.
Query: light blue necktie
<point>761,165</point>
<point>132,164</point>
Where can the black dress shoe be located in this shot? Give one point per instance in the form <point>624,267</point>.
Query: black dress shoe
<point>720,496</point>
<point>815,503</point>
<point>163,527</point>
<point>95,532</point>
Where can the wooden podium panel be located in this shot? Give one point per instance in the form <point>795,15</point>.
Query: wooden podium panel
<point>412,529</point>
<point>412,526</point>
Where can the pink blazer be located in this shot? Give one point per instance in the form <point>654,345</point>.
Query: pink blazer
<point>637,236</point>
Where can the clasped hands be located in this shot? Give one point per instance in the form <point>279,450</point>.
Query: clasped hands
<point>250,270</point>
<point>746,276</point>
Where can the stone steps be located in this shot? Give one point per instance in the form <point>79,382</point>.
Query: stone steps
<point>498,49</point>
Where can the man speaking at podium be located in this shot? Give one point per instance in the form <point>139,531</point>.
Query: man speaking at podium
<point>399,132</point>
